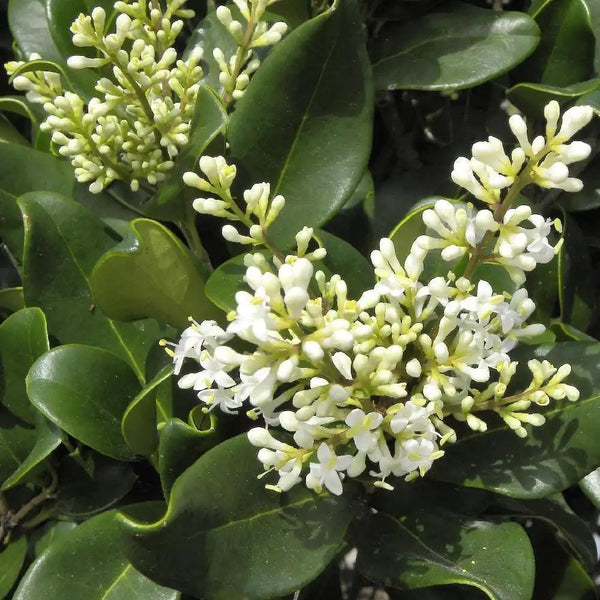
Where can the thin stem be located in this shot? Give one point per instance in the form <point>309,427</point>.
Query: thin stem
<point>479,254</point>
<point>9,520</point>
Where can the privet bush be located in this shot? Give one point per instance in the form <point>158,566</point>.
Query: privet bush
<point>300,300</point>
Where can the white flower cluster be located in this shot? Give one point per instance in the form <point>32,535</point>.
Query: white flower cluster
<point>141,119</point>
<point>236,70</point>
<point>370,384</point>
<point>142,116</point>
<point>520,239</point>
<point>543,161</point>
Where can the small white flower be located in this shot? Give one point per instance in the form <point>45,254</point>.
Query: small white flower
<point>363,428</point>
<point>327,472</point>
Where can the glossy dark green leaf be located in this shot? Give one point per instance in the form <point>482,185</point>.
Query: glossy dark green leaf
<point>82,495</point>
<point>29,26</point>
<point>225,281</point>
<point>577,289</point>
<point>179,448</point>
<point>209,120</point>
<point>17,438</point>
<point>11,300</point>
<point>25,170</point>
<point>139,421</point>
<point>47,439</point>
<point>225,537</point>
<point>426,549</point>
<point>555,513</point>
<point>552,457</point>
<point>17,105</point>
<point>88,564</point>
<point>559,576</point>
<point>363,194</point>
<point>12,558</point>
<point>151,274</point>
<point>565,55</point>
<point>346,261</point>
<point>564,332</point>
<point>9,134</point>
<point>23,339</point>
<point>304,124</point>
<point>531,98</point>
<point>49,533</point>
<point>85,391</point>
<point>63,242</point>
<point>455,49</point>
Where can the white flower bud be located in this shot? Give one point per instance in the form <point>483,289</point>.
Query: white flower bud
<point>295,300</point>
<point>519,128</point>
<point>343,364</point>
<point>552,114</point>
<point>224,15</point>
<point>313,350</point>
<point>576,118</point>
<point>413,368</point>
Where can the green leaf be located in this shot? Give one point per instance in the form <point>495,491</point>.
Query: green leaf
<point>424,549</point>
<point>63,241</point>
<point>590,485</point>
<point>23,339</point>
<point>208,121</point>
<point>555,513</point>
<point>82,495</point>
<point>50,532</point>
<point>346,261</point>
<point>17,105</point>
<point>364,193</point>
<point>225,281</point>
<point>304,124</point>
<point>452,50</point>
<point>85,391</point>
<point>17,438</point>
<point>88,564</point>
<point>577,289</point>
<point>567,333</point>
<point>11,562</point>
<point>47,439</point>
<point>531,98</point>
<point>29,26</point>
<point>179,448</point>
<point>139,421</point>
<point>9,134</point>
<point>25,170</point>
<point>552,457</point>
<point>559,576</point>
<point>236,539</point>
<point>565,55</point>
<point>11,299</point>
<point>151,274</point>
